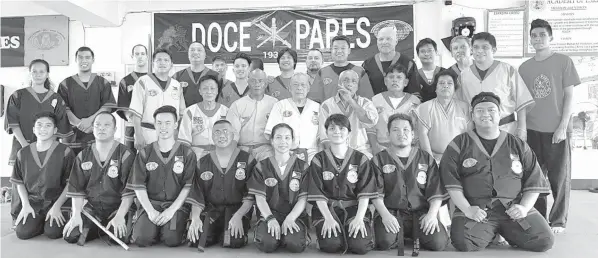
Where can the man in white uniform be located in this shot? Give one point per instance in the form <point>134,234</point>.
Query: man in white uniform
<point>301,114</point>
<point>150,92</point>
<point>361,112</point>
<point>249,116</point>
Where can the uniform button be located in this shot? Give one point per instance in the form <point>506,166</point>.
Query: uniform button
<point>336,186</point>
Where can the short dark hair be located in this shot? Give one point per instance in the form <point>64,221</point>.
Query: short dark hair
<point>484,36</point>
<point>45,114</point>
<point>167,109</point>
<point>223,122</point>
<point>218,57</point>
<point>83,49</point>
<point>447,72</point>
<point>280,126</point>
<point>208,77</point>
<point>161,50</point>
<point>396,67</point>
<point>400,116</point>
<point>106,113</point>
<point>138,45</point>
<point>539,23</point>
<point>258,62</point>
<point>341,38</point>
<point>426,41</point>
<point>47,84</point>
<point>242,55</point>
<point>317,49</point>
<point>291,52</point>
<point>338,119</point>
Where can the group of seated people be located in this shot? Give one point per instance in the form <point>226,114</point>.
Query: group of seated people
<point>367,156</point>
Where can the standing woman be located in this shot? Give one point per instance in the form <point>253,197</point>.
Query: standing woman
<point>24,103</point>
<point>279,184</point>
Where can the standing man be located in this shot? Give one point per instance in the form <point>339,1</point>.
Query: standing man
<point>151,92</point>
<point>502,79</point>
<point>313,62</point>
<point>376,65</point>
<point>427,51</point>
<point>99,175</point>
<point>190,76</point>
<point>233,91</point>
<point>219,65</point>
<point>279,87</point>
<point>494,180</point>
<point>549,77</point>
<point>125,92</point>
<point>325,85</point>
<point>85,95</point>
<point>461,52</point>
<point>161,178</point>
<point>249,116</point>
<point>360,111</point>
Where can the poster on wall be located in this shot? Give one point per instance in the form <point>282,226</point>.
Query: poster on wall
<point>261,34</point>
<point>24,39</point>
<point>574,25</point>
<point>508,28</point>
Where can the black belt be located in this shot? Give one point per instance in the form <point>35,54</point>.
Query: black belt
<point>508,119</point>
<point>213,213</point>
<point>414,234</point>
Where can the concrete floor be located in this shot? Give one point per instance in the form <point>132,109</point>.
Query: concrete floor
<point>580,241</point>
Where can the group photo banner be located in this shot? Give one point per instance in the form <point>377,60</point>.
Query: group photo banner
<point>24,39</point>
<point>261,34</point>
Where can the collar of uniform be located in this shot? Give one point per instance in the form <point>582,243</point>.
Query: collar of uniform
<point>49,152</point>
<point>96,154</point>
<point>231,161</point>
<point>499,142</point>
<point>175,147</point>
<point>345,160</point>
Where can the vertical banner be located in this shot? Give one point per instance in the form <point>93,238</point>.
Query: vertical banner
<point>24,39</point>
<point>12,36</point>
<point>261,34</point>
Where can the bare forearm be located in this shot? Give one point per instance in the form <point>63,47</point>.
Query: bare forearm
<point>196,211</point>
<point>434,207</point>
<point>528,200</point>
<point>75,121</point>
<point>180,200</point>
<point>62,199</point>
<point>522,119</point>
<point>77,205</point>
<point>244,208</point>
<point>137,124</point>
<point>459,200</point>
<point>299,208</point>
<point>19,135</point>
<point>23,194</point>
<point>263,206</point>
<point>323,207</point>
<point>362,115</point>
<point>144,200</point>
<point>125,205</point>
<point>567,109</point>
<point>424,143</point>
<point>380,207</point>
<point>362,207</point>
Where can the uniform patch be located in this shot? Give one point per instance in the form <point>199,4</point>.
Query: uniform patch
<point>388,168</point>
<point>380,110</point>
<point>327,175</point>
<point>178,167</point>
<point>129,88</point>
<point>153,93</point>
<point>175,94</point>
<point>54,102</point>
<point>314,118</point>
<point>270,182</point>
<point>113,162</point>
<point>287,113</point>
<point>352,167</point>
<point>422,167</point>
<point>276,94</point>
<point>470,162</point>
<point>151,166</point>
<point>296,175</point>
<point>241,164</point>
<point>352,176</point>
<point>184,84</point>
<point>422,177</point>
<point>205,176</point>
<point>198,123</point>
<point>516,167</point>
<point>294,185</point>
<point>240,174</point>
<point>327,81</point>
<point>113,172</point>
<point>86,165</point>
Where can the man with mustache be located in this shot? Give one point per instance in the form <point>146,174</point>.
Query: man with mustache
<point>151,92</point>
<point>125,92</point>
<point>313,62</point>
<point>326,83</point>
<point>86,95</point>
<point>377,65</point>
<point>190,76</point>
<point>502,79</point>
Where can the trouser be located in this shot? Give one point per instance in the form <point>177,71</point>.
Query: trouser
<point>555,160</point>
<point>294,243</point>
<point>129,139</point>
<point>258,151</point>
<point>343,242</point>
<point>436,241</point>
<point>215,227</point>
<point>172,234</point>
<point>90,231</point>
<point>531,233</point>
<point>36,226</point>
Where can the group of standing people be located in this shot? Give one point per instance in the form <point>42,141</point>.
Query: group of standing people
<point>387,135</point>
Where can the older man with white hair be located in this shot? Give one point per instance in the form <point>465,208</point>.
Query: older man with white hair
<point>460,48</point>
<point>361,112</point>
<point>377,65</point>
<point>301,114</point>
